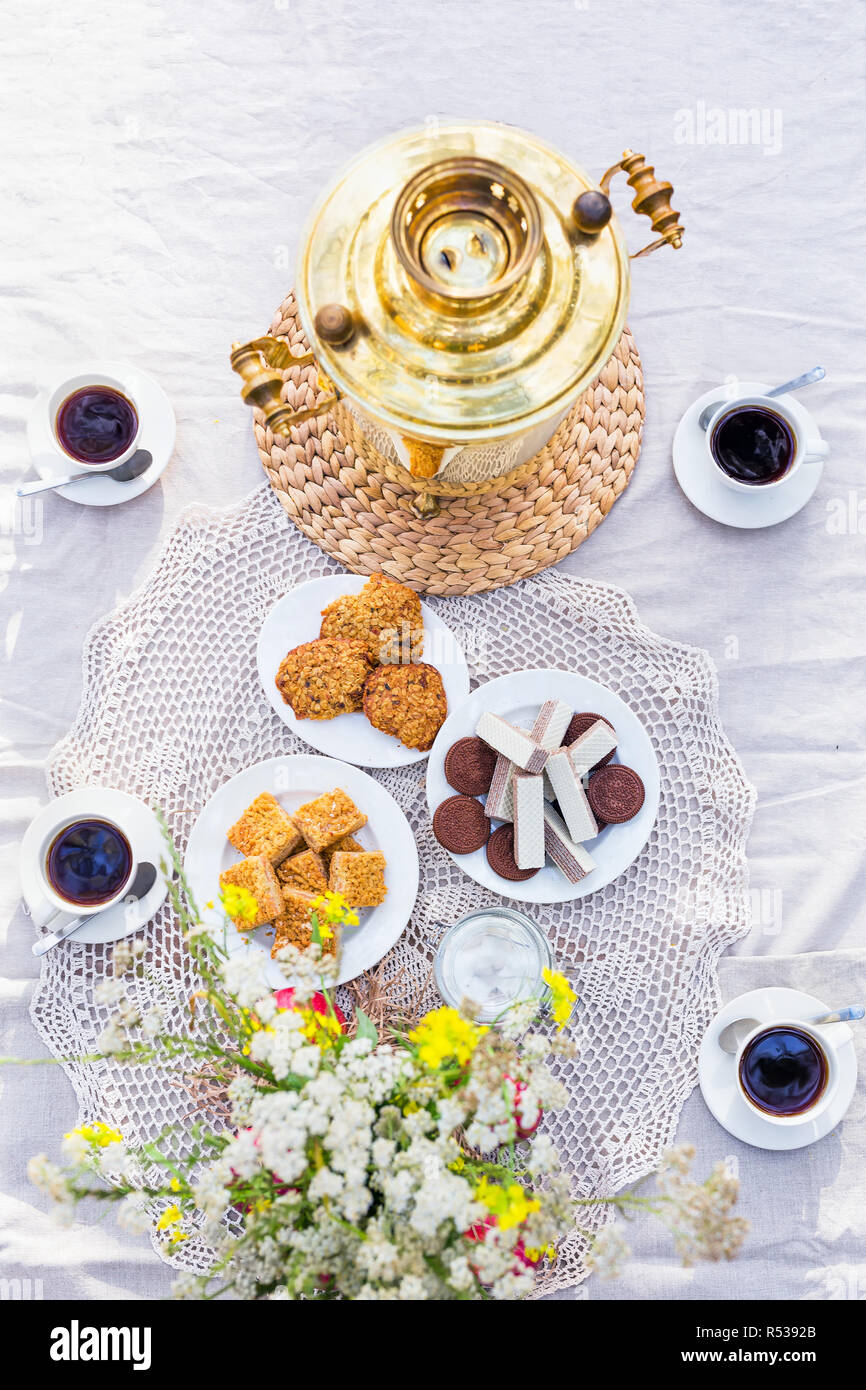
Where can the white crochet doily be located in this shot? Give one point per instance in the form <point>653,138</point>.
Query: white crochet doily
<point>172,707</point>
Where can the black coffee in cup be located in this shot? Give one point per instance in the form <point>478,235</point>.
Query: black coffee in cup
<point>753,445</point>
<point>88,862</point>
<point>96,424</point>
<point>783,1071</point>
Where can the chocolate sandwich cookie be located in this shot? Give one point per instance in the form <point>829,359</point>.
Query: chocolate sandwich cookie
<point>460,824</point>
<point>615,793</point>
<point>500,856</point>
<point>469,765</point>
<point>579,725</point>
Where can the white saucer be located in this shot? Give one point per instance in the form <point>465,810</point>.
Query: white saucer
<point>717,1072</point>
<point>518,698</point>
<point>293,781</point>
<point>700,482</point>
<point>296,618</point>
<point>141,828</point>
<point>157,435</point>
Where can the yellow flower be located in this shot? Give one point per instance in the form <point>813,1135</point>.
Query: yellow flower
<point>321,1029</point>
<point>534,1253</point>
<point>169,1217</point>
<point>443,1035</point>
<point>177,1236</point>
<point>332,908</point>
<point>239,903</point>
<point>98,1134</point>
<point>510,1205</point>
<point>322,932</point>
<point>562,997</point>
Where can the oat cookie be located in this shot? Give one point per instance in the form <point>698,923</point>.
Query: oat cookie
<point>324,678</point>
<point>385,615</point>
<point>408,702</point>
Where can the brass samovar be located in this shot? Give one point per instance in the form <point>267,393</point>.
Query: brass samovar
<point>459,287</point>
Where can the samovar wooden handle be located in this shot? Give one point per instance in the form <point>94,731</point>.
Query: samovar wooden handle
<point>260,364</point>
<point>592,210</point>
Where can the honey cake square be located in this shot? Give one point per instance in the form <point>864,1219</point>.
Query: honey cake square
<point>265,828</point>
<point>306,870</point>
<point>328,818</point>
<point>359,877</point>
<point>256,875</point>
<point>348,845</point>
<point>293,927</point>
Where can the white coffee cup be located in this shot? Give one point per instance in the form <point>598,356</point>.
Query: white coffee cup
<point>61,393</point>
<point>56,899</point>
<point>828,1037</point>
<point>807,448</point>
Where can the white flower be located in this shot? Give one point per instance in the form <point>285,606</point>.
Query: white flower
<point>188,1286</point>
<point>609,1252</point>
<point>452,1112</point>
<point>114,1159</point>
<point>109,991</point>
<point>112,1038</point>
<point>132,1215</point>
<point>211,1194</point>
<point>460,1274</point>
<point>152,1023</point>
<point>244,976</point>
<point>412,1289</point>
<point>325,1183</point>
<point>541,1156</point>
<point>121,957</point>
<point>382,1152</point>
<point>305,1061</point>
<point>74,1147</point>
<point>47,1177</point>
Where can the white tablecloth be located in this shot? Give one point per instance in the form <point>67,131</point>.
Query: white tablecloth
<point>158,165</point>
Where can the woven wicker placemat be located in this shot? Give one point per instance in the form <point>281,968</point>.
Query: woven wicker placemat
<point>478,542</point>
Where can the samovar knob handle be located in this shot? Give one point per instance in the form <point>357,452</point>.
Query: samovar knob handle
<point>652,199</point>
<point>334,325</point>
<point>592,211</point>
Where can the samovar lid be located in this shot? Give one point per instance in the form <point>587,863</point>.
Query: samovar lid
<point>446,287</point>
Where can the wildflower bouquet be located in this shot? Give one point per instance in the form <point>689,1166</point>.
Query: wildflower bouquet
<point>351,1167</point>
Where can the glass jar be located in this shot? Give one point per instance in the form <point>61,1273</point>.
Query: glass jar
<point>493,957</point>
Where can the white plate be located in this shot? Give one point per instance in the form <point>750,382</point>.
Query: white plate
<point>293,781</point>
<point>141,828</point>
<point>296,618</point>
<point>518,698</point>
<point>700,481</point>
<point>717,1072</point>
<point>157,434</point>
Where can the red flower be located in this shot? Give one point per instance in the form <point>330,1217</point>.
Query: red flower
<point>318,1004</point>
<point>479,1231</point>
<point>524,1131</point>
